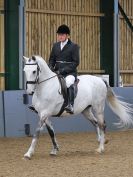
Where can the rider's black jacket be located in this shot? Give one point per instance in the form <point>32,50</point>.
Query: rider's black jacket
<point>66,60</point>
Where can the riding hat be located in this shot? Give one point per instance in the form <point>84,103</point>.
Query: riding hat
<point>63,29</point>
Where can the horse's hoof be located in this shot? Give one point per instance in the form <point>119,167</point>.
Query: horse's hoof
<point>99,151</point>
<point>27,157</point>
<point>53,152</point>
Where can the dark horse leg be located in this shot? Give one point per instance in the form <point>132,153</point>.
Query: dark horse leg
<point>53,138</point>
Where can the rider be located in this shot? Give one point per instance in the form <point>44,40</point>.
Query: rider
<point>64,59</point>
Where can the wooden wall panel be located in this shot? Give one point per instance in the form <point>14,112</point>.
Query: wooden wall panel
<point>1,4</point>
<point>82,16</point>
<point>126,44</point>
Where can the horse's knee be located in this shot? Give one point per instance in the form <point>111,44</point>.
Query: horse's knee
<point>94,122</point>
<point>37,133</point>
<point>102,125</point>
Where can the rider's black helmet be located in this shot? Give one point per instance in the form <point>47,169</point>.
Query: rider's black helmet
<point>63,29</point>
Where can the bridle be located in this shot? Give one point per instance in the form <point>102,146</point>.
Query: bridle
<point>37,76</point>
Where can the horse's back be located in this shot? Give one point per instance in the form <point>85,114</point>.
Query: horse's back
<point>91,91</point>
<point>93,82</point>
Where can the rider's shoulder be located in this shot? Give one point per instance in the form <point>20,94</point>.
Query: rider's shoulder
<point>74,45</point>
<point>55,44</point>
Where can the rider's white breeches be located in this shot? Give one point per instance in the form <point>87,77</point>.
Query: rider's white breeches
<point>70,79</point>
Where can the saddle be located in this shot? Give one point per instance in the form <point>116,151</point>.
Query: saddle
<point>64,92</point>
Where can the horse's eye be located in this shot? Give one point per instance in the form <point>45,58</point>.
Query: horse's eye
<point>34,72</point>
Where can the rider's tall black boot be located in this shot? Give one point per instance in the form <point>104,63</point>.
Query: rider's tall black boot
<point>69,107</point>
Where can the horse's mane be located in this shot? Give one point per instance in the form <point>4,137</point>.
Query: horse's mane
<point>41,61</point>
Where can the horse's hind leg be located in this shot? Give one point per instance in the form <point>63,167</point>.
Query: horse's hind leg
<point>52,135</point>
<point>99,123</point>
<point>90,116</point>
<point>100,118</point>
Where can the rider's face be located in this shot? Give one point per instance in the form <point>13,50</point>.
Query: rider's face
<point>62,37</point>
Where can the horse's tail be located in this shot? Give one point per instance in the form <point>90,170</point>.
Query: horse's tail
<point>122,109</point>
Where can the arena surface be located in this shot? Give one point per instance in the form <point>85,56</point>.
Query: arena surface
<point>76,158</point>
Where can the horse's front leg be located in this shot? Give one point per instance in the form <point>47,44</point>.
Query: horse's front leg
<point>53,138</point>
<point>31,149</point>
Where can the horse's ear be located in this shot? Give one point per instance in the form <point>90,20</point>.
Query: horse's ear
<point>25,58</point>
<point>33,58</point>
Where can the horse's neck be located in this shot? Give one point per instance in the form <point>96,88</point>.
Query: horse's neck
<point>46,79</point>
<point>45,71</point>
<point>47,89</point>
<point>46,75</point>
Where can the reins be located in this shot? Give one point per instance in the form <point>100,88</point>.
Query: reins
<point>37,77</point>
<point>47,79</point>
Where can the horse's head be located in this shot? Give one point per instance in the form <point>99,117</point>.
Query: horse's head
<point>32,71</point>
